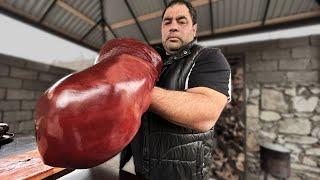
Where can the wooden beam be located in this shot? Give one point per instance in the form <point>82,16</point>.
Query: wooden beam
<point>315,13</point>
<point>195,3</point>
<point>77,13</point>
<point>211,17</point>
<point>136,21</point>
<point>103,21</point>
<point>73,11</point>
<point>237,27</point>
<point>47,11</point>
<point>13,9</point>
<point>263,21</point>
<point>90,30</point>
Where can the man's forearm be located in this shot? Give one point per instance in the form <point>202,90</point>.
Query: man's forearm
<point>190,110</point>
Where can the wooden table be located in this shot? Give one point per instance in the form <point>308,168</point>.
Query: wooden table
<point>29,165</point>
<point>26,165</point>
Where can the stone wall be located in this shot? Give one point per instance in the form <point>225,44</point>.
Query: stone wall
<point>283,106</point>
<point>21,83</point>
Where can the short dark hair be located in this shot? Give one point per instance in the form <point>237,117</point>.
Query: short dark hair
<point>192,11</point>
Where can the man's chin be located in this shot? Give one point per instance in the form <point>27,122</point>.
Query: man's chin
<point>174,46</point>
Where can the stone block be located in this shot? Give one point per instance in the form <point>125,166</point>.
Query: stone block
<point>252,111</point>
<point>269,116</point>
<point>294,158</point>
<point>316,132</point>
<point>295,126</point>
<point>237,48</point>
<point>294,42</point>
<point>37,66</point>
<point>58,70</point>
<point>306,52</point>
<point>267,77</point>
<point>23,73</point>
<point>10,82</point>
<point>303,76</point>
<point>318,109</point>
<point>28,105</point>
<point>253,56</point>
<point>293,147</point>
<point>33,114</point>
<point>254,101</point>
<point>315,90</point>
<point>14,116</point>
<point>314,64</point>
<point>294,64</point>
<point>26,126</point>
<point>19,94</point>
<point>276,54</point>
<point>315,51</point>
<point>313,152</point>
<point>302,104</point>
<point>290,91</point>
<point>315,118</point>
<point>35,85</point>
<point>9,105</point>
<point>267,65</point>
<point>264,45</point>
<point>268,135</point>
<point>37,94</point>
<point>4,70</point>
<point>254,93</point>
<point>304,140</point>
<point>47,77</point>
<point>273,100</point>
<point>253,123</point>
<point>12,61</point>
<point>252,143</point>
<point>2,93</point>
<point>303,115</point>
<point>302,90</point>
<point>287,115</point>
<point>315,40</point>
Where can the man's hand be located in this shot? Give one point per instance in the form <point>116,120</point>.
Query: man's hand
<point>198,108</point>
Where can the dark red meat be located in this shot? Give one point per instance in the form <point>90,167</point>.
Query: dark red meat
<point>88,117</point>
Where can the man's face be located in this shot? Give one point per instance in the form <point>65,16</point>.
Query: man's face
<point>177,29</point>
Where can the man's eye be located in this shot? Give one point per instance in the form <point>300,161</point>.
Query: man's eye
<point>182,22</point>
<point>166,22</point>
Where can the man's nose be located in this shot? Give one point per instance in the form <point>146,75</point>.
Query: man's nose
<point>174,27</point>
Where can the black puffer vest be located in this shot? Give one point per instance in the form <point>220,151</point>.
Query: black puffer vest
<point>163,150</point>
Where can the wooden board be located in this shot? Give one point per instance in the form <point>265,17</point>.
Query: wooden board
<point>26,165</point>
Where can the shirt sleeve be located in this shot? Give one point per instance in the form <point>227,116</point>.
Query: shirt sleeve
<point>212,70</point>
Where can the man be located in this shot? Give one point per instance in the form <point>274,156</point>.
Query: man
<point>175,139</point>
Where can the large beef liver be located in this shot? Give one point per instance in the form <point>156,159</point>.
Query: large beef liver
<point>88,117</point>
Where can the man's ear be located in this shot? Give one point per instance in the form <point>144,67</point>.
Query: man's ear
<point>194,29</point>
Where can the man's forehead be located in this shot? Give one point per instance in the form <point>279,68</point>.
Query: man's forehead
<point>177,10</point>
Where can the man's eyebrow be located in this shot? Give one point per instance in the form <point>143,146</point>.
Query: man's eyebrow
<point>167,19</point>
<point>181,17</point>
